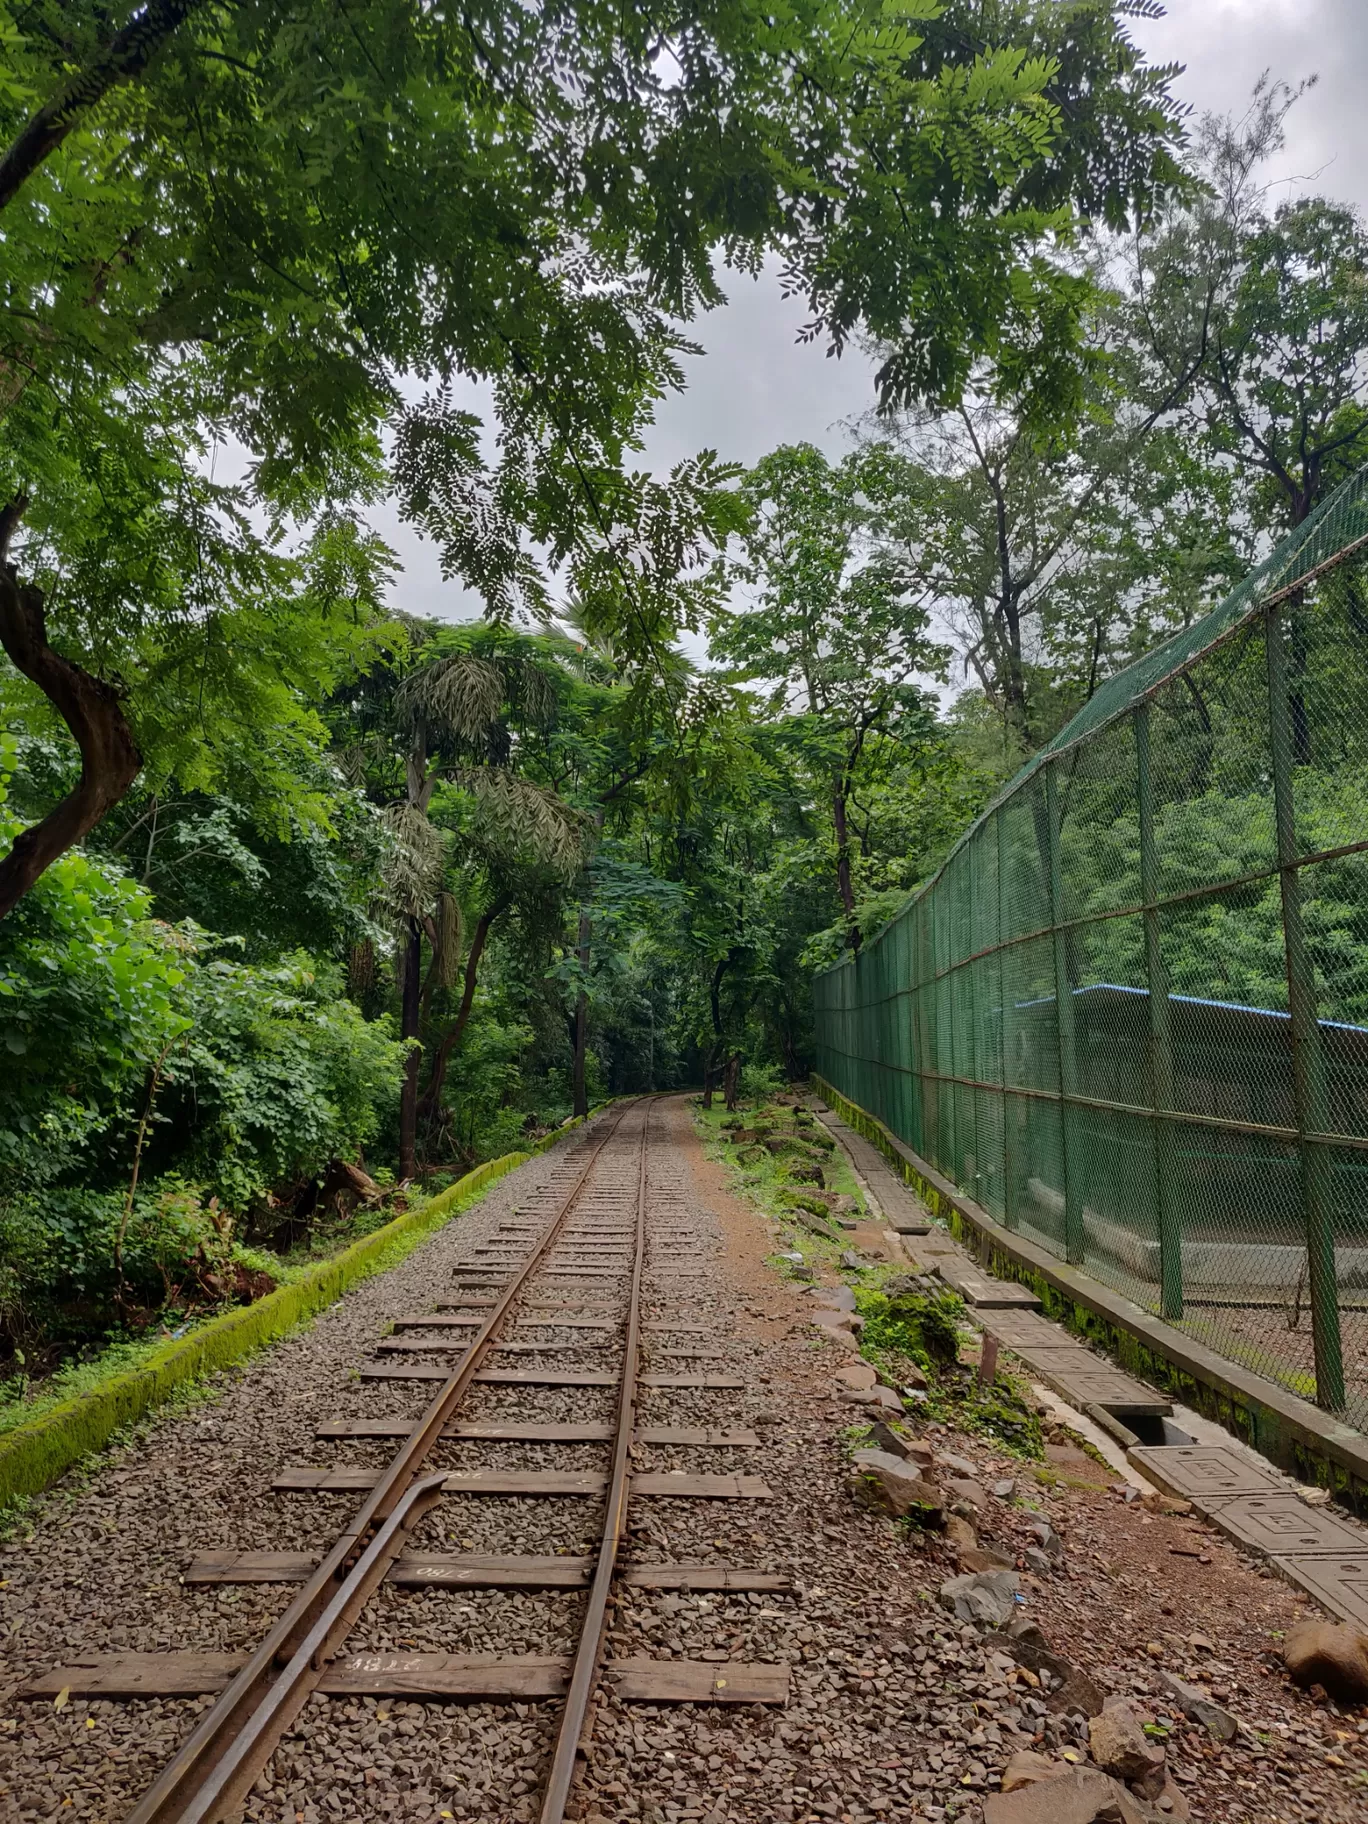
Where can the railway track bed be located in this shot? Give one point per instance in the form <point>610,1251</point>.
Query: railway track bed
<point>559,1387</point>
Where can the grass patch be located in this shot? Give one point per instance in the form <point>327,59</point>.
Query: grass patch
<point>774,1182</point>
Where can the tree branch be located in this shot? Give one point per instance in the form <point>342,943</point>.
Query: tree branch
<point>126,56</point>
<point>90,708</point>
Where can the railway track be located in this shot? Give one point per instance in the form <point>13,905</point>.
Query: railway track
<point>584,1287</point>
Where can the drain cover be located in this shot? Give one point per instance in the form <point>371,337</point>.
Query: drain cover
<point>1282,1526</point>
<point>1204,1472</point>
<point>1338,1584</point>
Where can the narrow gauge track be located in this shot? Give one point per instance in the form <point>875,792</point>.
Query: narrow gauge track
<point>537,1264</point>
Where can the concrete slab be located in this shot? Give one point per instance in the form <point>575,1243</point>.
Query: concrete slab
<point>1098,1385</point>
<point>981,1290</point>
<point>1282,1526</point>
<point>1203,1472</point>
<point>1339,1584</point>
<point>1023,1328</point>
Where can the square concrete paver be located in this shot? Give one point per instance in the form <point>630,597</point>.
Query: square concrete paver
<point>1024,1329</point>
<point>1094,1385</point>
<point>1204,1472</point>
<point>980,1289</point>
<point>1284,1527</point>
<point>1339,1584</point>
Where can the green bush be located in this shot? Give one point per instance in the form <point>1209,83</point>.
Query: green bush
<point>141,1051</point>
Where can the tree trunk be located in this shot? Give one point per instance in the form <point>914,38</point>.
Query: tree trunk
<point>843,881</point>
<point>90,709</point>
<point>409,1021</point>
<point>451,1039</point>
<point>581,1093</point>
<point>731,1081</point>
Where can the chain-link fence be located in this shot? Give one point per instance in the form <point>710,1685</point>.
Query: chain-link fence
<point>1129,1015</point>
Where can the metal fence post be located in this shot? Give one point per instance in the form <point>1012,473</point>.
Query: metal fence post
<point>1010,1201</point>
<point>1308,1074</point>
<point>1160,1036</point>
<point>1074,1241</point>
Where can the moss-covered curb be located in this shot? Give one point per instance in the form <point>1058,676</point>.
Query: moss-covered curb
<point>32,1456</point>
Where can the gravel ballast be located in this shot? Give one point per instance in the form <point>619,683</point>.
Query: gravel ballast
<point>897,1710</point>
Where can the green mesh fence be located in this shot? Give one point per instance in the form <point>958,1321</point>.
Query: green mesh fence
<point>1129,1015</point>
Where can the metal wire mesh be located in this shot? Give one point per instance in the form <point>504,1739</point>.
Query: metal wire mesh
<point>1129,1015</point>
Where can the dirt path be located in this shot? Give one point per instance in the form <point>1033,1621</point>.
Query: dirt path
<point>897,1710</point>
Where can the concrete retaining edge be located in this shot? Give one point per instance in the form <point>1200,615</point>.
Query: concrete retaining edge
<point>34,1455</point>
<point>1309,1444</point>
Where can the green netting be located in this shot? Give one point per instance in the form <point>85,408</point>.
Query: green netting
<point>1129,1014</point>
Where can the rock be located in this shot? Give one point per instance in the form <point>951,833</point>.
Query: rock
<point>1082,1795</point>
<point>851,1261</point>
<point>1331,1654</point>
<point>921,1452</point>
<point>1194,1702</point>
<point>1159,1503</point>
<point>1003,1490</point>
<point>885,1399</point>
<point>964,1489</point>
<point>958,1466</point>
<point>830,1318</point>
<point>985,1598</point>
<point>843,1339</point>
<point>1067,1688</point>
<point>1171,1803</point>
<point>913,1377</point>
<point>1046,1538</point>
<point>959,1534</point>
<point>984,1558</point>
<point>1120,1746</point>
<point>838,1298</point>
<point>1037,1563</point>
<point>858,1375</point>
<point>890,1485</point>
<point>888,1437</point>
<point>1027,1768</point>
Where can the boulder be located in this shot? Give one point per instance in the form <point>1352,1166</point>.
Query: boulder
<point>858,1375</point>
<point>1082,1795</point>
<point>1120,1746</point>
<point>839,1298</point>
<point>885,1399</point>
<point>960,1535</point>
<point>958,1466</point>
<point>1005,1489</point>
<point>1194,1702</point>
<point>1333,1655</point>
<point>963,1488</point>
<point>1065,1687</point>
<point>1036,1562</point>
<point>888,1437</point>
<point>1027,1768</point>
<point>985,1598</point>
<point>890,1485</point>
<point>984,1558</point>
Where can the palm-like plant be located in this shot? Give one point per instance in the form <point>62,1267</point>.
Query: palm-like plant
<point>454,717</point>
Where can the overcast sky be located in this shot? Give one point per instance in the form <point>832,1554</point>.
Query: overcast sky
<point>757,386</point>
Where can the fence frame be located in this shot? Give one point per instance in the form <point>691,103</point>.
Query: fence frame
<point>939,976</point>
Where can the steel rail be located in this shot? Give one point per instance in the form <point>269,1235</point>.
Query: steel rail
<point>584,1676</point>
<point>216,1765</point>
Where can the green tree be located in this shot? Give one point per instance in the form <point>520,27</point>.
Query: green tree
<point>244,223</point>
<point>838,633</point>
